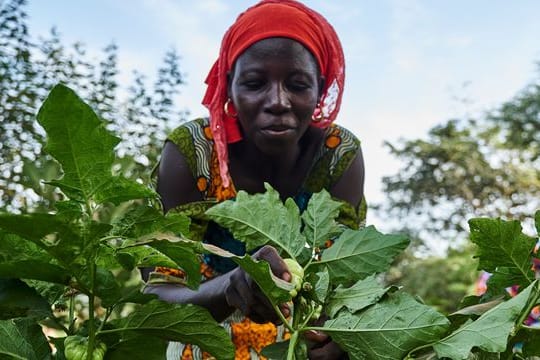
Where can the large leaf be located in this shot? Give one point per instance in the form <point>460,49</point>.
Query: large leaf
<point>357,254</point>
<point>262,219</point>
<point>319,219</point>
<point>50,233</point>
<point>188,324</point>
<point>23,339</point>
<point>19,300</point>
<point>362,294</point>
<point>143,220</point>
<point>490,331</point>
<point>388,329</point>
<point>276,289</point>
<point>20,258</point>
<point>502,244</point>
<point>503,278</point>
<point>138,348</point>
<point>180,251</point>
<point>78,140</point>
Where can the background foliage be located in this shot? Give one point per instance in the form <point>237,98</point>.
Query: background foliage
<point>140,114</point>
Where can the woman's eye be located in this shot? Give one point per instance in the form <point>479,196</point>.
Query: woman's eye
<point>253,84</point>
<point>299,86</point>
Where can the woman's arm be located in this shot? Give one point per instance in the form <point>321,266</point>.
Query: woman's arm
<point>350,187</point>
<point>223,294</point>
<point>175,182</point>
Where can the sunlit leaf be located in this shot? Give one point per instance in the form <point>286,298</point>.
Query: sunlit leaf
<point>490,331</point>
<point>319,219</point>
<point>357,254</point>
<point>188,324</point>
<point>388,329</point>
<point>262,219</point>
<point>362,294</point>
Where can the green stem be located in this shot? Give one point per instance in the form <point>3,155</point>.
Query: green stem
<point>307,319</point>
<point>526,313</point>
<point>283,319</point>
<point>107,314</point>
<point>292,345</point>
<point>91,318</point>
<point>91,297</point>
<point>71,314</point>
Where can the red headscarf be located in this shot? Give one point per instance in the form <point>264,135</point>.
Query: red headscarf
<point>273,18</point>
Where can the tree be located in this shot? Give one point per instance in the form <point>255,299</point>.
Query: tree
<point>29,71</point>
<point>469,167</point>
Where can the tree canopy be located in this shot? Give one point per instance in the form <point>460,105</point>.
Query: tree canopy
<point>29,68</point>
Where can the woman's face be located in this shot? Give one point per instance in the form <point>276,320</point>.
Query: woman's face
<point>275,86</point>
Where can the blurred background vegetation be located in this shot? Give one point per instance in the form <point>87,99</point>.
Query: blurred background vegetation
<point>463,168</point>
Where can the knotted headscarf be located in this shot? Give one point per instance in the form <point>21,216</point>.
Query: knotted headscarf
<point>267,19</point>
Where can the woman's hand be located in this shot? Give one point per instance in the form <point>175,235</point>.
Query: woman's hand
<point>321,346</point>
<point>244,294</point>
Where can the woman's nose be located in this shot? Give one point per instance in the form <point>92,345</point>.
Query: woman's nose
<point>278,98</point>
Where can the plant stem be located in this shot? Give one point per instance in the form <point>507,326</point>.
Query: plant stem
<point>283,319</point>
<point>91,319</point>
<point>71,313</point>
<point>292,345</point>
<point>91,297</point>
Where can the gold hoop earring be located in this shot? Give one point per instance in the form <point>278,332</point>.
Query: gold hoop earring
<point>317,114</point>
<point>226,109</point>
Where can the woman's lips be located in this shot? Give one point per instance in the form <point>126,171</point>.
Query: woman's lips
<point>277,130</point>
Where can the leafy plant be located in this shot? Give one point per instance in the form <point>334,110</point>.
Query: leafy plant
<point>69,254</point>
<point>366,319</point>
<point>48,261</point>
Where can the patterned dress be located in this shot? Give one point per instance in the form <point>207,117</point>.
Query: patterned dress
<point>194,140</point>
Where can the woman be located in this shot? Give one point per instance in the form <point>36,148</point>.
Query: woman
<point>273,95</point>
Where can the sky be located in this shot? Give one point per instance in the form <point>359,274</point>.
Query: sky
<point>410,64</point>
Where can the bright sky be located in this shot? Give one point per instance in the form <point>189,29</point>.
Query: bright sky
<point>410,63</point>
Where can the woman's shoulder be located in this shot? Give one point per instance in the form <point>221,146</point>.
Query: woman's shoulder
<point>196,128</point>
<point>339,137</point>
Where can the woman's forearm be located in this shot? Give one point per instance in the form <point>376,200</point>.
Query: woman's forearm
<point>210,295</point>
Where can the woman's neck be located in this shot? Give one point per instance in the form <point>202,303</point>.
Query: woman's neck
<point>286,171</point>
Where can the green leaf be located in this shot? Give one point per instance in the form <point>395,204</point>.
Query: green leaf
<point>490,331</point>
<point>262,219</point>
<point>19,300</point>
<point>531,346</point>
<point>188,324</point>
<point>49,233</point>
<point>106,287</point>
<point>319,219</point>
<point>357,297</point>
<point>388,329</point>
<point>357,254</point>
<point>20,258</point>
<point>143,220</point>
<point>321,284</point>
<point>182,252</point>
<point>276,351</point>
<point>51,292</point>
<point>120,189</point>
<point>23,339</point>
<point>184,258</point>
<point>502,244</point>
<point>275,289</point>
<point>501,279</point>
<point>78,140</point>
<point>138,348</point>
